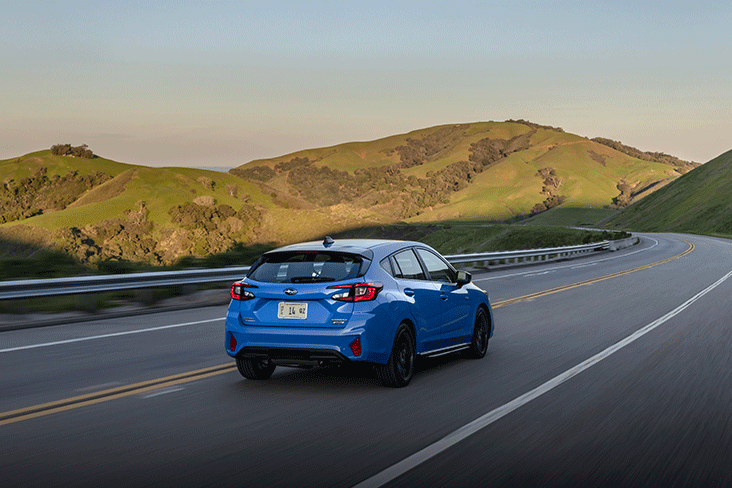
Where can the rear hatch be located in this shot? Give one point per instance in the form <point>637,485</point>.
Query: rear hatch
<point>294,289</point>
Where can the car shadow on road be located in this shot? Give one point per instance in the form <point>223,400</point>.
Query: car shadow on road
<point>352,376</point>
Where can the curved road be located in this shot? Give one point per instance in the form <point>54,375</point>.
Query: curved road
<point>610,370</point>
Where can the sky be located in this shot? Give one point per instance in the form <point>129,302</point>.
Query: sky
<point>208,83</point>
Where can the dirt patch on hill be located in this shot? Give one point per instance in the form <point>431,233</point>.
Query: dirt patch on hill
<point>597,157</point>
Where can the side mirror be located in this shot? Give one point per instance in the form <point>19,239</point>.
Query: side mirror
<point>463,278</point>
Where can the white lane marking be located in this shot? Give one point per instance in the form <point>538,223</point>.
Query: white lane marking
<point>583,265</point>
<point>162,391</point>
<point>396,470</point>
<point>100,387</point>
<point>103,336</point>
<point>537,274</point>
<point>570,265</point>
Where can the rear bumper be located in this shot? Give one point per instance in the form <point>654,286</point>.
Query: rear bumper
<point>294,357</point>
<point>309,346</point>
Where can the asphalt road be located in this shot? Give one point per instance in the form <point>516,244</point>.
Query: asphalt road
<point>610,370</point>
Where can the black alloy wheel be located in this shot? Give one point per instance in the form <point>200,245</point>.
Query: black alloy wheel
<point>255,369</point>
<point>479,343</point>
<point>398,371</point>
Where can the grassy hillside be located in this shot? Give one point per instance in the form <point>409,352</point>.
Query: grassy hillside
<point>486,171</point>
<point>698,202</point>
<point>98,210</point>
<point>121,211</point>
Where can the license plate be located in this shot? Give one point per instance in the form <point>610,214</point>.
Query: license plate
<point>290,310</point>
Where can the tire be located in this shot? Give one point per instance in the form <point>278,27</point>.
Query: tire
<point>479,343</point>
<point>398,371</point>
<point>255,369</point>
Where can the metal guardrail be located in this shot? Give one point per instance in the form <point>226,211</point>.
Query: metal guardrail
<point>91,284</point>
<point>528,255</point>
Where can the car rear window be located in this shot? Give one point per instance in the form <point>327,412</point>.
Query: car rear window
<point>308,267</point>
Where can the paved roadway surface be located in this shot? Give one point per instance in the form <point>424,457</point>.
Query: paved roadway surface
<point>548,406</point>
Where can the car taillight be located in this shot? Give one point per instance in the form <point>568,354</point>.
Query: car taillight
<point>357,292</point>
<point>239,291</point>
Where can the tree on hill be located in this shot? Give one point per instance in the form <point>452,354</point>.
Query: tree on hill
<point>535,126</point>
<point>551,184</point>
<point>654,157</point>
<point>82,151</point>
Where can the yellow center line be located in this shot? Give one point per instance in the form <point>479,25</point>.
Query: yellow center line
<point>111,394</point>
<point>71,403</point>
<point>531,296</point>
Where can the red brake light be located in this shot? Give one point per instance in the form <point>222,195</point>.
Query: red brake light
<point>357,292</point>
<point>238,291</point>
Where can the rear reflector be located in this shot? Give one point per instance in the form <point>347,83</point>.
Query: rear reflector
<point>232,343</point>
<point>356,347</point>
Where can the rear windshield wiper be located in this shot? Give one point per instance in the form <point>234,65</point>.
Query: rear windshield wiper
<point>310,279</point>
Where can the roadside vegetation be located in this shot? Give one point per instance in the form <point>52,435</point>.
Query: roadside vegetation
<point>465,238</point>
<point>19,261</point>
<point>22,262</point>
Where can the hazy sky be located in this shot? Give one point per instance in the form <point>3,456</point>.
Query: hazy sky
<point>222,83</point>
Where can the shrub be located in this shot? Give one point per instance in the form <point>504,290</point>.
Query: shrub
<point>82,151</point>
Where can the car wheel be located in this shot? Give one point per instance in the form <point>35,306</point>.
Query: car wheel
<point>398,371</point>
<point>479,343</point>
<point>255,369</point>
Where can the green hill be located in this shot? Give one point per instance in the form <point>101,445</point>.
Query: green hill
<point>698,202</point>
<point>98,210</point>
<point>497,171</point>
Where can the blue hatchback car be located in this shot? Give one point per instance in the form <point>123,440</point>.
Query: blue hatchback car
<point>334,302</point>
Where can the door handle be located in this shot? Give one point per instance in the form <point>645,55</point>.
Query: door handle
<point>443,296</point>
<point>409,292</point>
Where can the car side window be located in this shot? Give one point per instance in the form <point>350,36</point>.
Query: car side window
<point>407,266</point>
<point>387,266</point>
<point>437,268</point>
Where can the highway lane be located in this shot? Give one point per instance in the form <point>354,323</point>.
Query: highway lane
<point>176,342</point>
<point>656,413</point>
<point>150,349</point>
<point>511,283</point>
<point>329,428</point>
